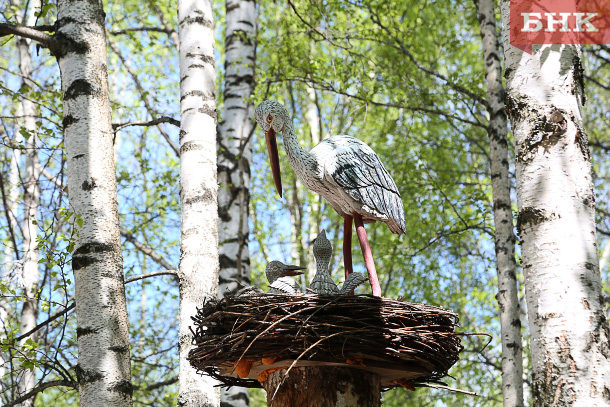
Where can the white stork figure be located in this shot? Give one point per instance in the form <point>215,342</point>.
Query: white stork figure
<point>346,172</point>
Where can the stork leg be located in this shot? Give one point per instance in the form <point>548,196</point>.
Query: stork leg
<point>347,247</point>
<point>368,255</point>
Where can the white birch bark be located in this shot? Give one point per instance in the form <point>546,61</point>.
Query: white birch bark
<point>198,271</point>
<point>234,159</point>
<point>103,369</point>
<point>30,273</point>
<point>508,299</point>
<point>568,329</point>
<point>235,146</point>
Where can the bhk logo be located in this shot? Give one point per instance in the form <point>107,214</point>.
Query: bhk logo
<point>559,22</point>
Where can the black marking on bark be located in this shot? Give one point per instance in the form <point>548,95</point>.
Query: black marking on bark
<point>80,332</point>
<point>81,258</point>
<point>208,59</point>
<point>239,35</point>
<point>123,387</point>
<point>88,186</point>
<point>190,146</point>
<point>79,87</point>
<point>78,156</point>
<point>226,262</point>
<point>82,261</point>
<point>533,216</point>
<point>67,44</point>
<point>87,376</point>
<point>204,95</point>
<point>119,349</point>
<point>201,20</point>
<point>68,121</point>
<point>207,196</point>
<point>209,111</point>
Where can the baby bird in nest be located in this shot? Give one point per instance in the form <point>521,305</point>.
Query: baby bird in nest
<point>280,277</point>
<point>322,283</point>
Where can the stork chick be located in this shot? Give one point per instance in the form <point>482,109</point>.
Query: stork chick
<point>280,277</point>
<point>322,282</point>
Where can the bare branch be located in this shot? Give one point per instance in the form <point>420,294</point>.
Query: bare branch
<point>52,178</point>
<point>163,119</point>
<point>173,273</point>
<point>40,388</point>
<point>142,93</point>
<point>34,33</point>
<point>156,257</point>
<point>142,29</point>
<point>45,323</point>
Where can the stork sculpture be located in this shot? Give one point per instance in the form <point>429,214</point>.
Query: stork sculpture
<point>346,172</point>
<point>280,277</point>
<point>322,283</point>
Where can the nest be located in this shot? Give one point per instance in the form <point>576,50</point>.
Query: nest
<point>406,344</point>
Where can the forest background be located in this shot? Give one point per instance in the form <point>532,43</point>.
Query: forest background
<point>408,78</point>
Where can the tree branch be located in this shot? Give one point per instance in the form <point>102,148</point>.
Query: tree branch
<point>36,33</point>
<point>142,93</point>
<point>156,257</point>
<point>173,273</point>
<point>40,388</point>
<point>143,29</point>
<point>164,119</point>
<point>157,385</point>
<point>45,323</point>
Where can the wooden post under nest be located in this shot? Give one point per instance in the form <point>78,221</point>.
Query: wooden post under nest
<point>339,351</point>
<point>323,387</point>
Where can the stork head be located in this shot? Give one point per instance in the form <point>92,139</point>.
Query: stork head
<point>273,118</point>
<point>277,269</point>
<point>322,249</point>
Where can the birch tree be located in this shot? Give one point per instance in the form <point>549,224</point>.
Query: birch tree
<point>508,300</point>
<point>234,159</point>
<point>556,224</point>
<point>198,271</point>
<point>29,313</point>
<point>103,338</point>
<point>235,146</point>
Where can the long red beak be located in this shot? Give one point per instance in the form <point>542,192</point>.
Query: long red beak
<point>274,158</point>
<point>293,270</point>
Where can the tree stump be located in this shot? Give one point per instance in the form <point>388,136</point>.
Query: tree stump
<point>323,387</point>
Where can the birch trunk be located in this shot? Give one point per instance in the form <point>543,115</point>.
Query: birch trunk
<point>508,300</point>
<point>198,271</point>
<point>568,328</point>
<point>29,312</point>
<point>103,369</point>
<point>235,147</point>
<point>234,159</point>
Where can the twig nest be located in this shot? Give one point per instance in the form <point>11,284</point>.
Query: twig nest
<point>240,339</point>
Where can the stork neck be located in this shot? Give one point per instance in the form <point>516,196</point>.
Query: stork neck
<point>299,158</point>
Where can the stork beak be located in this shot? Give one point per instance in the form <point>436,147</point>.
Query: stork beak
<point>274,158</point>
<point>293,270</point>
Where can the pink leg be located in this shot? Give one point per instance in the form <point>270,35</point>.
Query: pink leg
<point>347,247</point>
<point>368,256</point>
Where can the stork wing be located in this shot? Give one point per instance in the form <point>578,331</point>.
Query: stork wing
<point>360,172</point>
